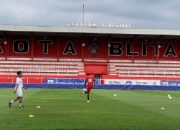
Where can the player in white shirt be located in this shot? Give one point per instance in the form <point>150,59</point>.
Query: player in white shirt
<point>18,90</point>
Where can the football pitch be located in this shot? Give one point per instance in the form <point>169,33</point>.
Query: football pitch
<point>67,109</point>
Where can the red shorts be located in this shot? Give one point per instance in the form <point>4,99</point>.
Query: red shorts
<point>89,88</point>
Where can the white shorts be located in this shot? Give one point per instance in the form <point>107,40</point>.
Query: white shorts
<point>19,93</point>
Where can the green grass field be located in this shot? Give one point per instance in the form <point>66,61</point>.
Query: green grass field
<point>68,110</point>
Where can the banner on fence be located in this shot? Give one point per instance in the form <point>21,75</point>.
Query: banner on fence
<point>69,81</point>
<point>115,82</point>
<point>65,81</point>
<point>131,82</point>
<point>170,83</point>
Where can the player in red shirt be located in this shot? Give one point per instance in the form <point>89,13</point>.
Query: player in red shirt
<point>89,83</point>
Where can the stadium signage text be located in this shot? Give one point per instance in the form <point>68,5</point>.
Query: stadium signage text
<point>114,48</point>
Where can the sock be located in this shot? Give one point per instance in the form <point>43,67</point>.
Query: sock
<point>20,105</point>
<point>88,96</point>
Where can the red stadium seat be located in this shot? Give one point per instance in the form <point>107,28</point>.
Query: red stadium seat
<point>144,68</point>
<point>43,67</point>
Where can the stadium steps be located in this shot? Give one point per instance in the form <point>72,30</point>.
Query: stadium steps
<point>144,68</point>
<point>40,66</point>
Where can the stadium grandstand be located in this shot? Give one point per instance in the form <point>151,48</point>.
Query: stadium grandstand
<point>115,56</point>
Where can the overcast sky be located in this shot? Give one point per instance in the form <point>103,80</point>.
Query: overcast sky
<point>139,13</point>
